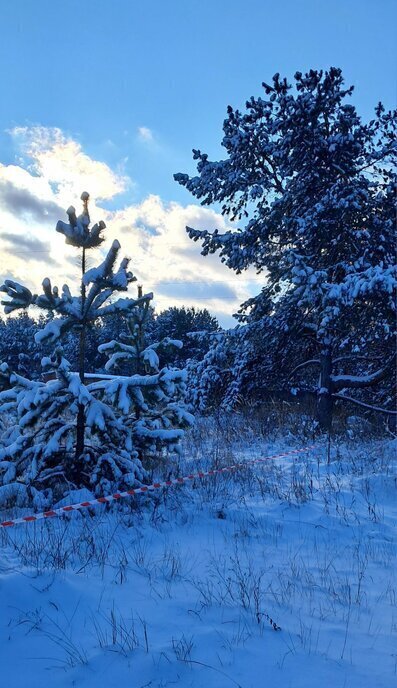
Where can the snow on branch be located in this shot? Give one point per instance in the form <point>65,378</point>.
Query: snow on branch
<point>54,330</point>
<point>20,296</point>
<point>77,231</point>
<point>362,381</point>
<point>103,274</point>
<point>124,306</point>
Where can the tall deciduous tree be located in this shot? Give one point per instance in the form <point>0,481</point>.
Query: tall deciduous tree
<point>312,189</point>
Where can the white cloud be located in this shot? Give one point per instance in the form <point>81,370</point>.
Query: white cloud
<point>52,176</point>
<point>168,262</point>
<point>61,162</point>
<point>145,134</point>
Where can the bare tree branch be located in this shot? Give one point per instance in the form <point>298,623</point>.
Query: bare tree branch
<point>378,409</point>
<point>354,357</point>
<point>312,361</point>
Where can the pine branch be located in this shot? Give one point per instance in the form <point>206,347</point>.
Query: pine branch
<point>360,382</point>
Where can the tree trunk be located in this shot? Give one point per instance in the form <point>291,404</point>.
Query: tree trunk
<point>80,428</point>
<point>325,400</point>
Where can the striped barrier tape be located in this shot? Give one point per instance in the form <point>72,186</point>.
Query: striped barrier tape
<point>145,488</point>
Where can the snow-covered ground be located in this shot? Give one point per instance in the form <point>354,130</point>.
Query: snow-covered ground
<point>180,591</point>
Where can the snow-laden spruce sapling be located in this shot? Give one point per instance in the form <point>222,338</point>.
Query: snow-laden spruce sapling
<point>73,432</point>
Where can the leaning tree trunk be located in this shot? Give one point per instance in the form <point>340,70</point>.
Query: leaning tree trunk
<point>80,429</point>
<point>325,399</point>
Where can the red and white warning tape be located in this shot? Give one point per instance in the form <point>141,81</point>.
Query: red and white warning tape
<point>145,488</point>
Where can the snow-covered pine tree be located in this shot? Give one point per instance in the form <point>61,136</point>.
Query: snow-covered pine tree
<point>189,325</point>
<point>152,398</point>
<point>67,436</point>
<point>16,339</point>
<point>318,188</point>
<point>218,380</point>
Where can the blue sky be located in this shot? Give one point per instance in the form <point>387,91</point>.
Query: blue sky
<point>137,85</point>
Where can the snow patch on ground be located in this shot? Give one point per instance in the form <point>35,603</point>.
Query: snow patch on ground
<point>180,592</point>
